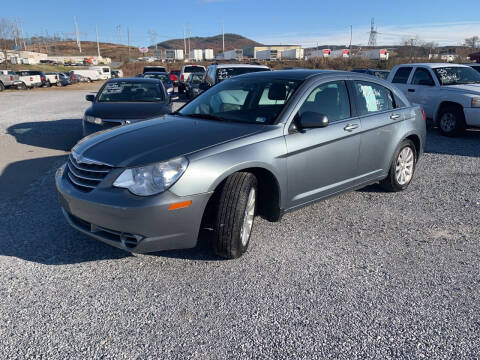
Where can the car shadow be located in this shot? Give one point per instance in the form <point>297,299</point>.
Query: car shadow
<point>466,145</point>
<point>60,134</point>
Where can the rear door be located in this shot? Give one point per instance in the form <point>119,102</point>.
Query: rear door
<point>421,88</point>
<point>323,161</point>
<point>401,76</point>
<point>381,118</point>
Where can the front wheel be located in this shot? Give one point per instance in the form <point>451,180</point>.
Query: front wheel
<point>402,167</point>
<point>451,121</point>
<point>235,215</point>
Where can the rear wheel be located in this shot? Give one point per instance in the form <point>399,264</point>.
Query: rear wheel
<point>22,86</point>
<point>402,168</point>
<point>47,84</point>
<point>59,84</point>
<point>235,215</point>
<point>451,121</point>
<point>2,87</point>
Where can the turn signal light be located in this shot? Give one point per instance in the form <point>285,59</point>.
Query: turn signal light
<point>424,115</point>
<point>180,205</point>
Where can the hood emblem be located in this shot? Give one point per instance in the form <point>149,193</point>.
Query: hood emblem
<point>84,160</point>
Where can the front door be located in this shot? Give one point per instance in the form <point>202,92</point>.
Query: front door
<point>323,161</point>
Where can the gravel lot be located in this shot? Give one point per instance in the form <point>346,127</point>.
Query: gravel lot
<point>367,274</point>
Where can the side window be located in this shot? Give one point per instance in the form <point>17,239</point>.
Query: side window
<point>422,77</point>
<point>402,74</point>
<point>372,97</point>
<point>330,99</point>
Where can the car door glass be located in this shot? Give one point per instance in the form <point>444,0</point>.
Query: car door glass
<point>422,77</point>
<point>373,98</point>
<point>330,99</point>
<point>402,74</point>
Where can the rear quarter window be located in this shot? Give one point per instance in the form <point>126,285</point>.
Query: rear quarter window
<point>402,74</point>
<point>372,98</point>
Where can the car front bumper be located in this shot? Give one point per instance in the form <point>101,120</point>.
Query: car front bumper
<point>472,116</point>
<point>132,223</point>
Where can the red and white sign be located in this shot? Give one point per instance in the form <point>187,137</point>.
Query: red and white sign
<point>143,49</point>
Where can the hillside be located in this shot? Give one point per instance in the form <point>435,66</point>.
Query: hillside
<point>232,41</point>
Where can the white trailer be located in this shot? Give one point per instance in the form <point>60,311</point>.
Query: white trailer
<point>236,54</point>
<point>374,54</point>
<point>105,71</point>
<point>296,54</point>
<point>208,54</point>
<point>174,55</point>
<point>196,55</point>
<point>89,73</point>
<point>342,53</point>
<point>268,55</point>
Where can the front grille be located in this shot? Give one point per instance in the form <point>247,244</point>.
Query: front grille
<point>85,176</point>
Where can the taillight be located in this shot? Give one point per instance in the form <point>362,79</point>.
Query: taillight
<point>31,78</point>
<point>424,115</point>
<point>11,78</point>
<point>182,77</point>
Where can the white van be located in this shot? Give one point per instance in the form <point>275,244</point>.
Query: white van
<point>89,73</point>
<point>105,71</point>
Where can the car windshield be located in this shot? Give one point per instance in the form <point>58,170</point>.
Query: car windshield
<point>193,69</point>
<point>130,92</point>
<point>457,75</point>
<point>249,100</point>
<point>160,76</point>
<point>195,78</point>
<point>228,72</point>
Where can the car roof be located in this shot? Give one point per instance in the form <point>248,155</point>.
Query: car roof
<point>135,80</point>
<point>434,65</point>
<point>155,72</point>
<point>292,74</point>
<point>253,66</point>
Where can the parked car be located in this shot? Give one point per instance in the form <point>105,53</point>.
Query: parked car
<point>63,80</point>
<point>257,144</point>
<point>192,85</point>
<point>30,81</point>
<point>73,77</point>
<point>382,74</point>
<point>154,69</point>
<point>163,77</point>
<point>449,93</point>
<point>475,66</point>
<point>185,71</point>
<point>125,101</point>
<point>117,73</point>
<point>218,72</point>
<point>81,78</point>
<point>40,74</point>
<point>9,78</point>
<point>174,75</point>
<point>52,78</point>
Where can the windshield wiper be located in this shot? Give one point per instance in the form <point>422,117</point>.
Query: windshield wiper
<point>204,116</point>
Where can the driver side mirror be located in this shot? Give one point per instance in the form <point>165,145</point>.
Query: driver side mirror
<point>310,120</point>
<point>204,86</point>
<point>90,97</point>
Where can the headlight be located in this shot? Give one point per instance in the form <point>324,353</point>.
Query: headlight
<point>476,102</point>
<point>152,179</point>
<point>93,119</point>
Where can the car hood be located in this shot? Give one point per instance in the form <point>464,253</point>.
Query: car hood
<point>467,89</point>
<point>137,110</point>
<point>160,139</point>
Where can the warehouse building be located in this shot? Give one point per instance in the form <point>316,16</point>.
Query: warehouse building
<point>251,51</point>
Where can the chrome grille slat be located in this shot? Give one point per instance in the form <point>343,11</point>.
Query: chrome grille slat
<point>79,175</point>
<point>86,175</point>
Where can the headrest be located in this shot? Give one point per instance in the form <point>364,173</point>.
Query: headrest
<point>277,92</point>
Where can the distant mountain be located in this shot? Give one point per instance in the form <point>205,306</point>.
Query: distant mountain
<point>232,41</point>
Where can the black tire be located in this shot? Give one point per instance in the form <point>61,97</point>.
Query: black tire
<point>451,120</point>
<point>391,183</point>
<point>59,84</point>
<point>47,84</point>
<point>230,215</point>
<point>2,87</point>
<point>22,86</point>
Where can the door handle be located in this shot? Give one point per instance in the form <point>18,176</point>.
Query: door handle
<point>411,90</point>
<point>395,116</point>
<point>350,127</point>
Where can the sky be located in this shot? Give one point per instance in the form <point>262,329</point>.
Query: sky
<point>304,22</point>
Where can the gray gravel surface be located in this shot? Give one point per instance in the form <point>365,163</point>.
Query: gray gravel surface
<point>366,274</point>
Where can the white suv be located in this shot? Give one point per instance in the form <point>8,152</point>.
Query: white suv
<point>448,93</point>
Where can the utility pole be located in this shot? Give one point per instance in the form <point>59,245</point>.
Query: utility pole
<point>351,36</point>
<point>223,37</point>
<point>184,43</point>
<point>119,33</point>
<point>128,39</point>
<point>77,34</point>
<point>189,36</point>
<point>98,45</point>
